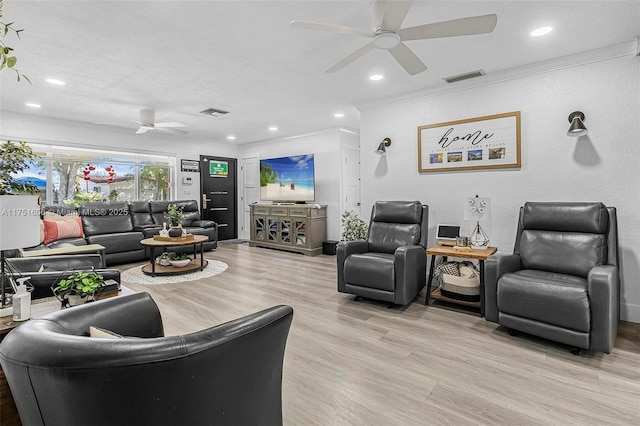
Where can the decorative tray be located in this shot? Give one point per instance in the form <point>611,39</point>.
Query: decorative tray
<point>185,238</point>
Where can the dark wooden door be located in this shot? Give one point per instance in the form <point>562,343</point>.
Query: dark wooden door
<point>218,182</point>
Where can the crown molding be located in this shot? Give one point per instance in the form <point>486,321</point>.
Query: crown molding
<point>570,61</point>
<point>304,135</point>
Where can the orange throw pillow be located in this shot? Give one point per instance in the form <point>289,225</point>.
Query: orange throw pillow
<point>59,229</point>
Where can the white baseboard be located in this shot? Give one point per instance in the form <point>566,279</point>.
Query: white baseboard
<point>630,312</point>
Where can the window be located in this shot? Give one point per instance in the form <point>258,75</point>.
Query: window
<point>74,175</point>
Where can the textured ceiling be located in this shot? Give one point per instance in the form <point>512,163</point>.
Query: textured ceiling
<point>180,57</point>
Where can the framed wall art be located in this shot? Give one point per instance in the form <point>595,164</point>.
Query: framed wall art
<point>489,142</point>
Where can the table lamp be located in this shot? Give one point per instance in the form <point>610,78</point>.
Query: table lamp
<point>478,208</point>
<point>19,228</point>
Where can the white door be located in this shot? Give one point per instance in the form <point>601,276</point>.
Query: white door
<point>350,180</point>
<point>250,176</point>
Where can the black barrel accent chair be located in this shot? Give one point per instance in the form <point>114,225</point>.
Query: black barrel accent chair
<point>391,264</point>
<point>230,374</point>
<point>562,281</point>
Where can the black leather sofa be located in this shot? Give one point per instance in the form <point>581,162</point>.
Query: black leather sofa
<point>120,226</point>
<point>55,268</point>
<point>229,374</point>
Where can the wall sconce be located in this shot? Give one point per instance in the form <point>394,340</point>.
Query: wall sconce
<point>577,127</point>
<point>382,148</point>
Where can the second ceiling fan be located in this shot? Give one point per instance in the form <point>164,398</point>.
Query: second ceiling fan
<point>386,19</point>
<point>147,123</point>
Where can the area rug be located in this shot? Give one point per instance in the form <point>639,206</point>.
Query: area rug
<point>136,276</point>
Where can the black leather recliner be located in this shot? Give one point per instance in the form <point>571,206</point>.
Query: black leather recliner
<point>562,280</point>
<point>230,374</point>
<point>391,265</point>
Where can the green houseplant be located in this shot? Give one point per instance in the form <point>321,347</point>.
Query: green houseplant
<point>78,288</point>
<point>179,259</point>
<point>353,227</point>
<point>178,256</point>
<point>15,157</point>
<point>174,215</point>
<point>7,58</point>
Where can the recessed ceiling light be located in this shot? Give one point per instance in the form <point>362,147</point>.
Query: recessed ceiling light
<point>376,77</point>
<point>338,115</point>
<point>32,105</point>
<point>273,128</point>
<point>231,137</point>
<point>541,31</point>
<point>55,81</point>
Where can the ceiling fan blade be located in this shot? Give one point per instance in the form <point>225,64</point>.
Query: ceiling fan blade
<point>147,116</point>
<point>169,124</point>
<point>351,58</point>
<point>143,129</point>
<point>409,61</point>
<point>395,13</point>
<point>378,8</point>
<point>457,27</point>
<point>331,28</point>
<point>172,130</point>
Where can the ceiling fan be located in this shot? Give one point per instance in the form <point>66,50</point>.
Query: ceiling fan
<point>386,19</point>
<point>147,123</point>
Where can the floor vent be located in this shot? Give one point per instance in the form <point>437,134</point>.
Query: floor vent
<point>213,111</point>
<point>465,76</point>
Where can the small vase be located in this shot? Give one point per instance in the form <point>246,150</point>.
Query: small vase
<point>175,231</point>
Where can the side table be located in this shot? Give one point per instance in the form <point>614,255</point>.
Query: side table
<point>445,252</point>
<point>88,248</point>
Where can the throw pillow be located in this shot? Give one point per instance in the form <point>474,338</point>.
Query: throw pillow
<point>41,232</point>
<point>103,333</point>
<point>68,228</point>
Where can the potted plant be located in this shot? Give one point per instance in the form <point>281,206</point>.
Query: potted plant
<point>15,157</point>
<point>174,215</point>
<point>179,259</point>
<point>353,228</point>
<point>78,288</point>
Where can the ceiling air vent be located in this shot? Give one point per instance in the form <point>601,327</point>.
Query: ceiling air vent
<point>465,76</point>
<point>213,111</point>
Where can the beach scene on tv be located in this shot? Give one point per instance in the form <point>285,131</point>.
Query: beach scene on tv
<point>287,178</point>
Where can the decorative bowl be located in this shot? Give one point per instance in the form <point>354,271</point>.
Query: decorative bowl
<point>180,263</point>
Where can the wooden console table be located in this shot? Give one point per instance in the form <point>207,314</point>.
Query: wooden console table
<point>446,251</point>
<point>299,228</point>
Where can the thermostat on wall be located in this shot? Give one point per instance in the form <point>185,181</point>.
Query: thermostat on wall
<point>186,180</point>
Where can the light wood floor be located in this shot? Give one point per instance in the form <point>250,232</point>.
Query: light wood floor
<point>359,363</point>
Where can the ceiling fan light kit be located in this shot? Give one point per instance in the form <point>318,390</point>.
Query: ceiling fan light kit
<point>386,19</point>
<point>386,40</point>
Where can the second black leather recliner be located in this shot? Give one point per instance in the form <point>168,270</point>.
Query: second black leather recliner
<point>391,264</point>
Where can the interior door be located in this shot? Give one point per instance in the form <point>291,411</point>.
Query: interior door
<point>351,180</point>
<point>250,181</point>
<point>218,180</point>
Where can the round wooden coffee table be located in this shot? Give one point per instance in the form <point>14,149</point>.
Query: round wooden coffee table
<point>153,269</point>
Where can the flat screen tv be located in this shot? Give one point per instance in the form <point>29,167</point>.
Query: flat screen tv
<point>287,179</point>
